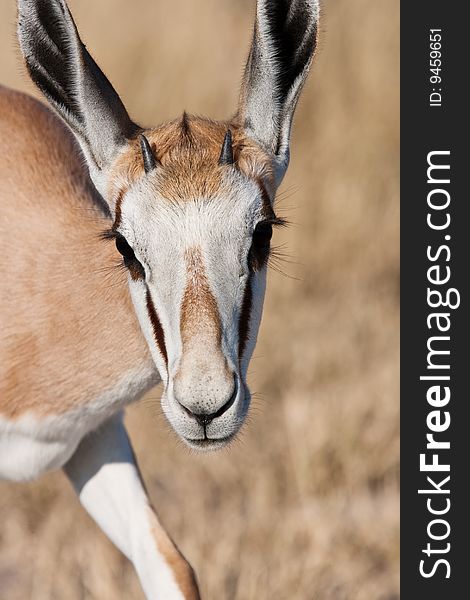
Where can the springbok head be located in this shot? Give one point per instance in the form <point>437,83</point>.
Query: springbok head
<point>191,202</point>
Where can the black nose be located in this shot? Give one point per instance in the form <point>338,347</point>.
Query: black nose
<point>205,418</point>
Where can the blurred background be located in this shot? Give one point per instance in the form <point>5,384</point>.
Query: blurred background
<point>305,505</point>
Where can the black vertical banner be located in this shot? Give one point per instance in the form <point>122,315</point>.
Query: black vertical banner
<point>435,332</point>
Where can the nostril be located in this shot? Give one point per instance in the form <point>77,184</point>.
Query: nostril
<point>205,418</point>
<point>229,402</point>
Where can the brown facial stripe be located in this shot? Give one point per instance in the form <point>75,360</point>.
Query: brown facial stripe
<point>156,326</point>
<point>134,267</point>
<point>245,315</point>
<point>199,310</point>
<point>136,271</point>
<point>117,208</point>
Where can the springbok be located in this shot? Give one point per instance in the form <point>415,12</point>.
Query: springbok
<point>189,206</point>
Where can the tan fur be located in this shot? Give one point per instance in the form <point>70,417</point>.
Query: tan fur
<point>51,220</point>
<point>199,312</point>
<point>200,322</point>
<point>188,150</point>
<point>182,571</point>
<point>62,294</point>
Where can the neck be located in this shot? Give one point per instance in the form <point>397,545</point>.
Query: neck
<point>77,339</point>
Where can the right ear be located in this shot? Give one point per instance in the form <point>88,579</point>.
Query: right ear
<point>284,42</point>
<point>61,67</point>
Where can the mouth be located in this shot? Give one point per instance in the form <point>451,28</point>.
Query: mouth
<point>208,444</point>
<point>215,434</point>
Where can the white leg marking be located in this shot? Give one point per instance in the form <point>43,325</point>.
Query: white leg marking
<point>104,473</point>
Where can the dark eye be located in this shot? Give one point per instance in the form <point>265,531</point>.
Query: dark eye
<point>124,248</point>
<point>262,234</point>
<point>259,251</point>
<point>135,268</point>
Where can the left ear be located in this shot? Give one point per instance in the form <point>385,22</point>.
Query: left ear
<point>284,42</point>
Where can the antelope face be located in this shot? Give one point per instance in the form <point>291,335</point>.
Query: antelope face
<point>192,214</point>
<point>194,229</point>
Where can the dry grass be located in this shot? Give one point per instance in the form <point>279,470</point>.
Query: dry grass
<point>305,506</point>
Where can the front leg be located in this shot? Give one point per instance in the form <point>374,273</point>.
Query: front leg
<point>105,475</point>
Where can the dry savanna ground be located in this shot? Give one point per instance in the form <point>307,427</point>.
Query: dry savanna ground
<point>305,505</point>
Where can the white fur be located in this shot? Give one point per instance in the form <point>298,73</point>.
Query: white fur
<point>31,444</point>
<point>105,476</point>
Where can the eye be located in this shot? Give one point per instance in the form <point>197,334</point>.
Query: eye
<point>124,248</point>
<point>262,234</point>
<point>136,270</point>
<point>259,251</point>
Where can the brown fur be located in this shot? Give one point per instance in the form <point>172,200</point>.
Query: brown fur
<point>199,311</point>
<point>188,150</point>
<point>158,332</point>
<point>200,321</point>
<point>182,571</point>
<point>62,294</point>
<point>244,323</point>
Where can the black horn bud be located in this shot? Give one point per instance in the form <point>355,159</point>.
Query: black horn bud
<point>150,161</point>
<point>226,155</point>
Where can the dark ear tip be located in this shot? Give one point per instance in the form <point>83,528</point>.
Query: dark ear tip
<point>226,154</point>
<point>150,162</point>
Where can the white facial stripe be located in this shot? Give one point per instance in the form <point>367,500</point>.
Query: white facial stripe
<point>140,296</point>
